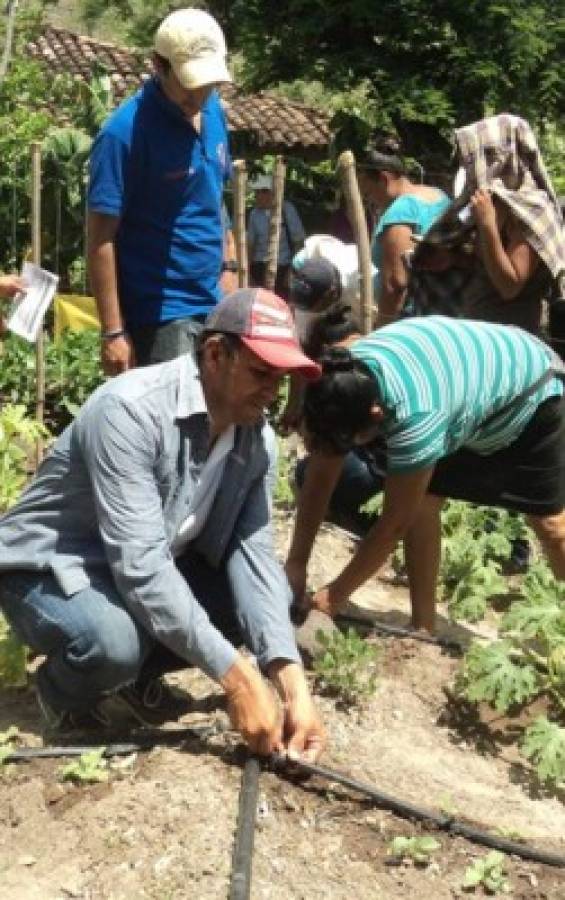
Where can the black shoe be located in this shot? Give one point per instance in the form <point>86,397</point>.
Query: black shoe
<point>66,721</point>
<point>153,702</point>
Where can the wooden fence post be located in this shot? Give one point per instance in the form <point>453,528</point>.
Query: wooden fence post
<point>346,169</point>
<point>279,174</point>
<point>239,231</point>
<point>36,258</point>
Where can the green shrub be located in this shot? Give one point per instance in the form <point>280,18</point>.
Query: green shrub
<point>346,664</point>
<point>72,372</point>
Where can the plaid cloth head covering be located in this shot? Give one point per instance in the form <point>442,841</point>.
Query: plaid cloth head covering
<point>500,154</point>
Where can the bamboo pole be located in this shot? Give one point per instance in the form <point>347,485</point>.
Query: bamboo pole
<point>348,175</point>
<point>279,174</point>
<point>239,191</point>
<point>36,258</point>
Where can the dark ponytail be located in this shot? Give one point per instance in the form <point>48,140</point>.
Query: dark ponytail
<point>339,405</point>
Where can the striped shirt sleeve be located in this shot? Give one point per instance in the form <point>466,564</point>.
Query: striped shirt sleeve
<point>417,442</point>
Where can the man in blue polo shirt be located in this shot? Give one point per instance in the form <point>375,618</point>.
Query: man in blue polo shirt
<point>158,168</point>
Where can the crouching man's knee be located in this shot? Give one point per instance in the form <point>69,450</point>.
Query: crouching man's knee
<point>108,658</point>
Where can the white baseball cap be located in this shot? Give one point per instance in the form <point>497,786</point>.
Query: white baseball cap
<point>194,44</point>
<point>262,183</point>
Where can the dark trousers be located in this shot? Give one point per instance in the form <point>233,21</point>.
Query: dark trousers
<point>259,273</point>
<point>165,340</point>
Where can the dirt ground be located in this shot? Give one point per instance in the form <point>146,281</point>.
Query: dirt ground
<point>162,828</point>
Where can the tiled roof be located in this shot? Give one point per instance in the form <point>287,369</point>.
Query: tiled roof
<point>269,123</point>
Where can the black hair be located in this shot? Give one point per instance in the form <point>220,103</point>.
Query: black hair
<point>375,161</point>
<point>162,63</point>
<point>339,405</point>
<point>383,153</point>
<point>231,342</point>
<point>333,325</point>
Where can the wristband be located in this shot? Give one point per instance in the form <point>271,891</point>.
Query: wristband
<point>230,265</point>
<point>110,335</point>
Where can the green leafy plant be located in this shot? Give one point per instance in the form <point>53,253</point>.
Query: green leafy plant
<point>527,662</point>
<point>489,871</point>
<point>346,664</point>
<point>72,372</point>
<point>18,434</point>
<point>493,674</point>
<point>13,658</point>
<point>283,494</point>
<point>8,739</point>
<point>419,849</point>
<point>87,769</point>
<point>476,541</point>
<point>544,744</point>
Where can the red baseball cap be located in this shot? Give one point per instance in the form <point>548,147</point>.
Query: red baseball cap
<point>265,325</point>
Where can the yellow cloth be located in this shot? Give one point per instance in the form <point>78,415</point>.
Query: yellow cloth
<point>74,312</point>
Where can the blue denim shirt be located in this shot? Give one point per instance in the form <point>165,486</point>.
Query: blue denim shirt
<point>113,491</point>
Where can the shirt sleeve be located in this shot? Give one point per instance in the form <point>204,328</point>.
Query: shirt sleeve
<point>417,442</point>
<point>260,589</point>
<point>252,228</point>
<point>294,223</point>
<point>109,159</point>
<point>120,451</point>
<point>404,211</point>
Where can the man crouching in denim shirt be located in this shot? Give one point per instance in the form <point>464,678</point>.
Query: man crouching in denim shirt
<point>143,544</point>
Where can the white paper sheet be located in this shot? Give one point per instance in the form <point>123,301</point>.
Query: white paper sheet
<point>29,307</point>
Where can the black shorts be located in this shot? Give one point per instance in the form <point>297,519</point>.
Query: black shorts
<point>528,476</point>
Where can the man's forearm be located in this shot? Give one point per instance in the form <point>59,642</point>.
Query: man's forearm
<point>103,282</point>
<point>288,679</point>
<point>322,474</point>
<point>102,269</point>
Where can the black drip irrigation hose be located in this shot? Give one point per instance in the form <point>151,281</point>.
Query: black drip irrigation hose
<point>281,764</point>
<point>399,631</point>
<point>145,741</point>
<point>240,887</point>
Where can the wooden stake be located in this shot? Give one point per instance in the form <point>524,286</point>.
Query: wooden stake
<point>36,258</point>
<point>279,175</point>
<point>348,175</point>
<point>239,191</point>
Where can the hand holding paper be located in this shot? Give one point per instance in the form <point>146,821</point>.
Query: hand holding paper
<point>31,301</point>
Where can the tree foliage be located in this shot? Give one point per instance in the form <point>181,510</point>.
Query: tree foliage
<point>446,62</point>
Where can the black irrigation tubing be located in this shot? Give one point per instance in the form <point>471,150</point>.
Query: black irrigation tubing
<point>280,764</point>
<point>145,741</point>
<point>399,631</point>
<point>407,810</point>
<point>240,887</point>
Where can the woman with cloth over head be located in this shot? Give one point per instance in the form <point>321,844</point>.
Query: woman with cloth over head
<point>494,254</point>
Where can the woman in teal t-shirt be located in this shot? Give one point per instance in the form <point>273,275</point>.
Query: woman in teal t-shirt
<point>408,209</point>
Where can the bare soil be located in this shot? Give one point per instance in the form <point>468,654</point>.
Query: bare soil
<point>162,828</point>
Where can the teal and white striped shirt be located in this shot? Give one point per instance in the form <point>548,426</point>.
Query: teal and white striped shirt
<point>440,378</point>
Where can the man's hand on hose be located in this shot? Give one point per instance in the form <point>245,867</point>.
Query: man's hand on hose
<point>252,707</point>
<point>303,735</point>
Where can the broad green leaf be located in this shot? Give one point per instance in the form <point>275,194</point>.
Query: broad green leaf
<point>544,744</point>
<point>491,675</point>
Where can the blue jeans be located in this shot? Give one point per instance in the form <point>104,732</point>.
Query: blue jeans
<point>92,644</point>
<point>361,478</point>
